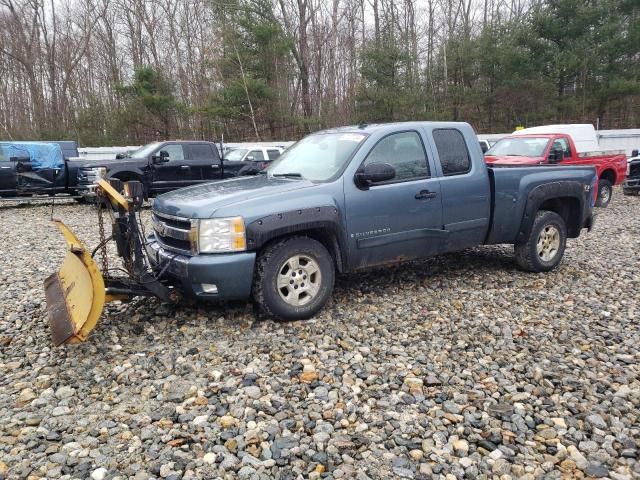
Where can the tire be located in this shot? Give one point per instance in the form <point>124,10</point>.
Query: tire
<point>299,297</point>
<point>605,192</point>
<point>545,246</point>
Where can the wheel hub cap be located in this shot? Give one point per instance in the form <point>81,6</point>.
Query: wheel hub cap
<point>548,243</point>
<point>606,193</point>
<point>299,280</point>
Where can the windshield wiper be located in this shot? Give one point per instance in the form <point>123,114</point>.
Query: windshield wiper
<point>289,175</point>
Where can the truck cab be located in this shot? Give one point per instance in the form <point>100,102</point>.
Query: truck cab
<point>534,147</point>
<point>160,166</point>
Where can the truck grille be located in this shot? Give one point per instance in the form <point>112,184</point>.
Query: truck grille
<point>173,233</point>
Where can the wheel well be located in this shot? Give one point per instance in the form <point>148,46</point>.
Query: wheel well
<point>609,175</point>
<point>569,209</point>
<point>325,236</point>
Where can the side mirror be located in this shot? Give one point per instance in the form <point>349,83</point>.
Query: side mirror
<point>249,158</point>
<point>634,152</point>
<point>120,156</point>
<point>162,157</point>
<point>374,173</point>
<point>556,155</point>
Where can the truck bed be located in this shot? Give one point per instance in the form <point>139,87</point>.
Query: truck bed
<point>511,188</point>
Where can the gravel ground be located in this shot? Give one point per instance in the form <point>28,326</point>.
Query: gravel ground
<point>456,367</point>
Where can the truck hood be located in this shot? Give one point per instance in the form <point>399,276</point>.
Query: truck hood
<point>202,201</point>
<point>512,160</point>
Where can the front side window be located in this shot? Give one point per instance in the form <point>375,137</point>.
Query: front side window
<point>236,155</point>
<point>176,153</point>
<point>256,156</point>
<point>317,157</point>
<point>562,144</point>
<point>452,150</point>
<point>404,152</point>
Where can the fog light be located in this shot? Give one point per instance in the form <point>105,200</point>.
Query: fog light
<point>209,288</point>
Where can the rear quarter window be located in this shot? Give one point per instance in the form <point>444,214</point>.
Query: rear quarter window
<point>452,151</point>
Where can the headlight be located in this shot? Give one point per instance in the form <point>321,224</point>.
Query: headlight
<point>95,173</point>
<point>217,235</point>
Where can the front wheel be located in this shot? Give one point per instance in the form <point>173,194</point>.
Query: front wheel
<point>544,248</point>
<point>605,192</point>
<point>294,278</point>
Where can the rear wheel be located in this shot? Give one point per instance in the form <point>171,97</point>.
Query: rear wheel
<point>605,192</point>
<point>294,278</point>
<point>544,248</point>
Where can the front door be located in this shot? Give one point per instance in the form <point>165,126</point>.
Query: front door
<point>176,172</point>
<point>400,219</point>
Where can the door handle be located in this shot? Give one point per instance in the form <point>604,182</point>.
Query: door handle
<point>215,167</point>
<point>185,167</point>
<point>425,194</point>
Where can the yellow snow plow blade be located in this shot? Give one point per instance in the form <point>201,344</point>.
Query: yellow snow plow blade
<point>75,294</point>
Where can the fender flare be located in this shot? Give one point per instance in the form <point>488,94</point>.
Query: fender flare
<point>325,218</point>
<point>548,191</point>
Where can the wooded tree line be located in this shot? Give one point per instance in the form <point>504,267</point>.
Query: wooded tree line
<point>131,71</point>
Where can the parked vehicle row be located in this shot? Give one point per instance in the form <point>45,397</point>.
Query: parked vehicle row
<point>563,145</point>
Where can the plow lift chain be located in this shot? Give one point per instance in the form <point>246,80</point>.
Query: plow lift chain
<point>104,257</point>
<point>76,294</point>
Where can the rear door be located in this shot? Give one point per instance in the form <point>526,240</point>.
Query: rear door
<point>399,219</point>
<point>466,195</point>
<point>204,161</point>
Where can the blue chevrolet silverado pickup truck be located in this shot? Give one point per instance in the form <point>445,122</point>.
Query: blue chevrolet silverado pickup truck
<point>355,197</point>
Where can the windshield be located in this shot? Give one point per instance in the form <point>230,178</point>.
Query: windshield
<point>143,152</point>
<point>520,147</point>
<point>236,154</point>
<point>317,157</point>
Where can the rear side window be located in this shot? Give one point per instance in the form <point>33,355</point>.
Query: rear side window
<point>203,153</point>
<point>452,150</point>
<point>273,154</point>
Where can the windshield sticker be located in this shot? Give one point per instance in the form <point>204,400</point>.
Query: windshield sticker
<point>351,137</point>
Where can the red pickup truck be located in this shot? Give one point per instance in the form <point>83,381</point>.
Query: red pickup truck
<point>559,148</point>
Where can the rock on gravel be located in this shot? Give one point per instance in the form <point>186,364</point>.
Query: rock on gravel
<point>457,367</point>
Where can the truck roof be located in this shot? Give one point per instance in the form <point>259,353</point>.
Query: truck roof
<point>373,127</point>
